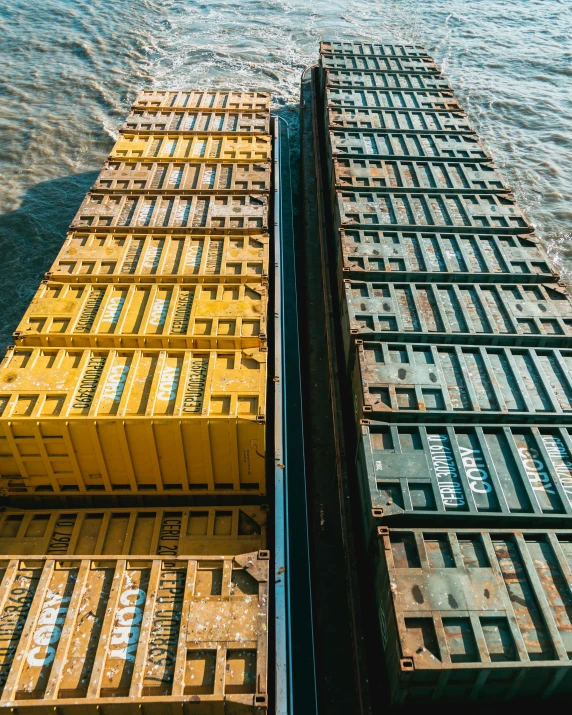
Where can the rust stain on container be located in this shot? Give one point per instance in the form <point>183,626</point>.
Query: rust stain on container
<point>174,178</point>
<point>136,632</point>
<point>481,258</point>
<point>155,532</point>
<point>149,316</point>
<point>369,118</point>
<point>186,120</point>
<point>519,314</point>
<point>204,100</point>
<point>376,49</point>
<point>485,608</point>
<point>196,211</point>
<point>394,381</point>
<point>147,257</point>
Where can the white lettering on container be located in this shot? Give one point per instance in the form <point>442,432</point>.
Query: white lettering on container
<point>159,311</point>
<point>535,470</point>
<point>115,382</point>
<point>126,633</point>
<point>446,471</point>
<point>168,383</point>
<point>48,631</point>
<point>113,309</point>
<point>560,458</point>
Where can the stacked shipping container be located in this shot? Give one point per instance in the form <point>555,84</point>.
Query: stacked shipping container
<point>457,335</point>
<point>139,370</point>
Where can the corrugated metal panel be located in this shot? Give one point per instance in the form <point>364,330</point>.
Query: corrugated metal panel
<point>199,99</point>
<point>388,49</point>
<point>406,209</point>
<point>171,316</point>
<point>135,635</point>
<point>379,145</point>
<point>535,315</point>
<point>195,211</point>
<point>390,98</point>
<point>162,532</point>
<point>390,80</point>
<point>378,63</point>
<point>475,615</point>
<point>452,383</point>
<point>192,147</point>
<point>385,80</point>
<point>149,257</point>
<point>372,255</point>
<point>226,122</point>
<point>171,178</point>
<point>425,120</point>
<point>499,474</point>
<point>396,175</point>
<point>123,421</point>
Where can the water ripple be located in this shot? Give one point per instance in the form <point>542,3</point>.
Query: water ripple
<point>70,70</point>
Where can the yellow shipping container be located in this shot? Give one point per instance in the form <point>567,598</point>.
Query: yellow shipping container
<point>225,122</point>
<point>242,213</point>
<point>150,257</point>
<point>123,421</point>
<point>136,635</point>
<point>161,532</point>
<point>200,99</point>
<point>193,147</point>
<point>143,315</point>
<point>178,177</point>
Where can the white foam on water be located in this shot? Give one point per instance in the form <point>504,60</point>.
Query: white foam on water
<point>71,69</point>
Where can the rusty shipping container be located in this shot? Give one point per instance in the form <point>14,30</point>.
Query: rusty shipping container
<point>384,80</point>
<point>125,421</point>
<point>163,258</point>
<point>377,49</point>
<point>398,382</point>
<point>137,634</point>
<point>475,614</point>
<point>192,147</point>
<point>146,315</point>
<point>441,147</point>
<point>442,474</point>
<point>422,120</point>
<point>203,100</point>
<point>211,212</point>
<point>405,209</point>
<point>535,315</point>
<point>141,532</point>
<point>373,255</point>
<point>340,97</point>
<point>223,121</point>
<point>176,177</point>
<point>379,63</point>
<point>424,177</point>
